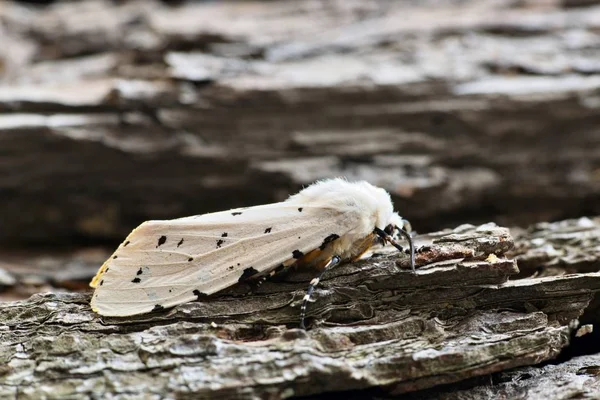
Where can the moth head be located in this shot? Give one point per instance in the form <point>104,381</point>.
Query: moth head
<point>396,223</point>
<point>396,229</point>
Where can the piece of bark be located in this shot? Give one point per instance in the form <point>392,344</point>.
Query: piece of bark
<point>575,378</point>
<point>548,250</point>
<point>212,100</point>
<point>374,326</point>
<point>558,248</point>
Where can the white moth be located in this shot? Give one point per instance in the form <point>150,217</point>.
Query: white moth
<point>165,263</point>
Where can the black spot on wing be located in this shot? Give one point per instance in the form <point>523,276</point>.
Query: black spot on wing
<point>219,243</point>
<point>300,209</point>
<point>224,234</point>
<point>158,307</point>
<point>139,271</point>
<point>136,280</point>
<point>268,230</point>
<point>102,282</point>
<point>236,213</point>
<point>328,240</point>
<point>126,243</point>
<point>106,270</point>
<point>297,254</point>
<point>248,272</point>
<point>199,294</point>
<point>230,268</point>
<point>190,259</point>
<point>161,241</point>
<point>114,257</point>
<point>180,242</point>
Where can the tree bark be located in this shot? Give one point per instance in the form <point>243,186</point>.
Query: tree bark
<point>375,326</point>
<point>112,113</point>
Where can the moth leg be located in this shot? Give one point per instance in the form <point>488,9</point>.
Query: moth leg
<point>391,241</point>
<point>257,282</point>
<point>335,260</point>
<point>254,283</point>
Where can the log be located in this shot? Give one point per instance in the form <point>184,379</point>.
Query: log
<point>374,327</point>
<point>138,110</point>
<point>112,113</point>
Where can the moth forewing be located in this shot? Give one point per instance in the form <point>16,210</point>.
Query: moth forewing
<point>165,263</point>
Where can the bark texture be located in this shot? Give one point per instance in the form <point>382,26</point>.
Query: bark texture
<point>117,112</point>
<point>114,112</point>
<point>576,378</point>
<point>375,327</point>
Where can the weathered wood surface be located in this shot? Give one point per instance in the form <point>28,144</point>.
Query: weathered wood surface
<point>544,251</point>
<point>560,248</point>
<point>116,112</point>
<point>375,326</point>
<point>576,378</point>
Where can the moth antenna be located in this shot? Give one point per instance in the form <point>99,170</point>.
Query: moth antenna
<point>335,260</point>
<point>391,241</point>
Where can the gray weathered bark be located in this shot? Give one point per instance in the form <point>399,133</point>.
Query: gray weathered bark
<point>573,379</point>
<point>375,326</point>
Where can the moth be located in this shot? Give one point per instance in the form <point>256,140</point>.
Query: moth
<point>165,263</point>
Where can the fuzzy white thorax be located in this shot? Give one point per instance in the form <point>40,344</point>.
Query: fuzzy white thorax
<point>372,204</point>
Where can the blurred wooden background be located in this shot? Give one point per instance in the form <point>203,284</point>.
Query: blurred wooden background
<point>114,112</point>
